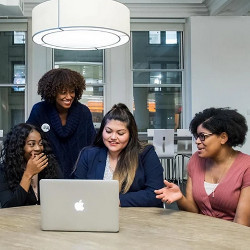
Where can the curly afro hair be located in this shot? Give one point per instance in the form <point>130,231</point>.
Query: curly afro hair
<point>219,120</point>
<point>12,155</point>
<point>57,80</point>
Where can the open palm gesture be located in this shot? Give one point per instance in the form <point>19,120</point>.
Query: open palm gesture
<point>169,193</point>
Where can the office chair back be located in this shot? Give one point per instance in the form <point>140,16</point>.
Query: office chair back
<point>184,146</point>
<point>163,141</point>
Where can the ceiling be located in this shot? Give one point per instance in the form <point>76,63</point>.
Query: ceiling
<point>148,8</point>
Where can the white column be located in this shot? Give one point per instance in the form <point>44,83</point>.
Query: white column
<point>39,61</point>
<point>119,85</point>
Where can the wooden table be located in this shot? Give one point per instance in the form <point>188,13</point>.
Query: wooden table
<point>140,228</point>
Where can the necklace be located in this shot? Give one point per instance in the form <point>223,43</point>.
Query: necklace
<point>229,163</point>
<point>218,181</point>
<point>112,169</point>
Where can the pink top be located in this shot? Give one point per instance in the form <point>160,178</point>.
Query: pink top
<point>226,195</point>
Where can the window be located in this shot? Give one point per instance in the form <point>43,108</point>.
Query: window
<point>154,37</point>
<point>171,37</point>
<point>90,65</point>
<point>13,74</point>
<point>19,76</point>
<point>19,37</point>
<point>157,67</point>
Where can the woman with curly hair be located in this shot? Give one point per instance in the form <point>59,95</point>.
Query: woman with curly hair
<point>118,154</point>
<point>26,158</point>
<point>67,123</point>
<point>218,182</point>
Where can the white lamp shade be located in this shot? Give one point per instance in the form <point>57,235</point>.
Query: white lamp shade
<point>80,24</point>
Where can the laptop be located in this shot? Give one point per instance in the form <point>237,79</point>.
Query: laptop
<point>79,205</point>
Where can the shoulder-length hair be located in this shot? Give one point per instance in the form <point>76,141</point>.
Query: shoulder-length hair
<point>128,159</point>
<point>12,155</point>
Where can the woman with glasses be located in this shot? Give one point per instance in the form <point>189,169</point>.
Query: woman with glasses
<point>218,182</point>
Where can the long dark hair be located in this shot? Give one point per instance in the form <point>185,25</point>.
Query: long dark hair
<point>128,158</point>
<point>12,155</point>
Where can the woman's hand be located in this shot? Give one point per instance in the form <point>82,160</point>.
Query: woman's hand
<point>170,193</point>
<point>36,164</point>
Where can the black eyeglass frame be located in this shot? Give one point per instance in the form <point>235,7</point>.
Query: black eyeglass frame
<point>202,136</point>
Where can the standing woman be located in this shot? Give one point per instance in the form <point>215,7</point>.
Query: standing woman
<point>218,182</point>
<point>118,154</point>
<point>67,123</point>
<point>26,158</point>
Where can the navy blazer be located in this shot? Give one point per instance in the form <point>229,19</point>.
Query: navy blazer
<point>149,175</point>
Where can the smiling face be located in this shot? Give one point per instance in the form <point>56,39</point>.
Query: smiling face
<point>212,144</point>
<point>33,144</point>
<point>115,136</point>
<point>65,98</point>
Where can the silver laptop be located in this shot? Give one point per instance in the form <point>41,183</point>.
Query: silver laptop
<point>79,205</point>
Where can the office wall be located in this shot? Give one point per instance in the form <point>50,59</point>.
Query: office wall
<point>118,77</point>
<point>219,64</point>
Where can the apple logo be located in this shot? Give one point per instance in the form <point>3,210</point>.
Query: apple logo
<point>79,205</point>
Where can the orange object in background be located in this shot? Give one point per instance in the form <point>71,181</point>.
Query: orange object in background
<point>151,106</point>
<point>95,106</point>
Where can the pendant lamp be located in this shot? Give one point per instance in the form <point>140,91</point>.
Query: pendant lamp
<point>80,24</point>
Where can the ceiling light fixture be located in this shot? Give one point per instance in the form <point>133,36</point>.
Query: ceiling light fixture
<point>80,24</point>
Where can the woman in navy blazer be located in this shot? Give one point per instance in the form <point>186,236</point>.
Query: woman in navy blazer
<point>118,154</point>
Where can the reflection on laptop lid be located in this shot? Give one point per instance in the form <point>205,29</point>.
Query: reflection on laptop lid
<point>79,205</point>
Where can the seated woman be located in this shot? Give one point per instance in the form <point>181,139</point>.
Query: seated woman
<point>25,159</point>
<point>218,182</point>
<point>118,154</point>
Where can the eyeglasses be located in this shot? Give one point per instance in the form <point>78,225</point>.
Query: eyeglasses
<point>202,136</point>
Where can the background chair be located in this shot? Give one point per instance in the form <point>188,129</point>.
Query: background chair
<point>163,141</point>
<point>184,152</point>
<point>150,135</point>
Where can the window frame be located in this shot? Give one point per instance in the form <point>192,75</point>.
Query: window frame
<point>160,25</point>
<point>12,25</point>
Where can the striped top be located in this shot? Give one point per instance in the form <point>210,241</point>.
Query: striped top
<point>226,195</point>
